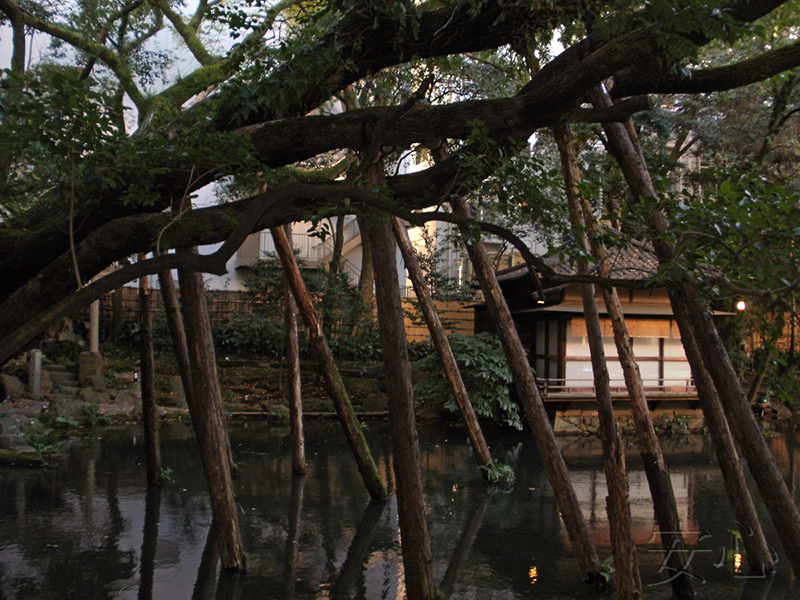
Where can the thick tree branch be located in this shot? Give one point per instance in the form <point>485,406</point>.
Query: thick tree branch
<point>752,70</point>
<point>15,16</point>
<point>186,31</point>
<point>96,49</point>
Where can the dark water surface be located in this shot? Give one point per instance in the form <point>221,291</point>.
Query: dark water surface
<point>88,527</point>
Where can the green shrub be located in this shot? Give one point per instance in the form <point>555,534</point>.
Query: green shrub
<point>162,339</point>
<point>485,372</point>
<point>247,333</point>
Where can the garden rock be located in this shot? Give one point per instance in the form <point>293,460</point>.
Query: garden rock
<point>45,382</point>
<point>14,387</point>
<point>135,412</point>
<point>93,396</point>
<point>131,396</point>
<point>178,393</point>
<point>90,369</point>
<point>67,408</point>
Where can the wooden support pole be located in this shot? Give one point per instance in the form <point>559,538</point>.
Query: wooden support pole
<point>442,345</point>
<point>152,444</point>
<point>702,353</point>
<point>330,374</point>
<point>417,557</point>
<point>172,310</point>
<point>557,472</point>
<point>208,420</point>
<point>293,372</point>
<point>626,566</point>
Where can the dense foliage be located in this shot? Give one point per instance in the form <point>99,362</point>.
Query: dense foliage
<point>111,124</point>
<point>486,375</point>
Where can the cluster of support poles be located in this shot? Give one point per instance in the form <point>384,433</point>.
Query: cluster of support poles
<point>723,400</point>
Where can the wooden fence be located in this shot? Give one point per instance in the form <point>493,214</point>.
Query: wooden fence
<point>458,316</point>
<point>221,304</point>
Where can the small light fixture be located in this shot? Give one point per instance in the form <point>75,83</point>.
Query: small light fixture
<point>533,574</point>
<point>741,305</point>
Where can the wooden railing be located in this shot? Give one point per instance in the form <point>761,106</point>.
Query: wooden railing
<point>559,388</point>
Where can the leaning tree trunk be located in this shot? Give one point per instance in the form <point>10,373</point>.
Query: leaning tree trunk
<point>624,144</point>
<point>330,374</point>
<point>293,372</point>
<point>152,445</point>
<point>417,557</point>
<point>172,310</point>
<point>759,556</point>
<point>525,384</point>
<point>656,470</point>
<point>439,338</point>
<point>208,420</point>
<point>536,415</point>
<point>774,491</point>
<point>626,566</point>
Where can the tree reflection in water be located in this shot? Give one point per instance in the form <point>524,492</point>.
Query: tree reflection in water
<point>89,528</point>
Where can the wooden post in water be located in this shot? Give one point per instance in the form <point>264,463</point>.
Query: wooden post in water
<point>626,566</point>
<point>442,345</point>
<point>293,371</point>
<point>702,353</point>
<point>417,557</point>
<point>557,472</point>
<point>535,413</point>
<point>152,445</point>
<point>208,420</point>
<point>330,374</point>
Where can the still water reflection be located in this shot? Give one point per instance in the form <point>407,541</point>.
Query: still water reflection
<point>89,528</point>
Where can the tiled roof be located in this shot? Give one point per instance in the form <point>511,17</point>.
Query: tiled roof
<point>635,263</point>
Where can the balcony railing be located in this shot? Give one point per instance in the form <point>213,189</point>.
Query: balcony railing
<point>584,388</point>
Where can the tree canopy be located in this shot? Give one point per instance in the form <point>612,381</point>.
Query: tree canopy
<point>82,187</point>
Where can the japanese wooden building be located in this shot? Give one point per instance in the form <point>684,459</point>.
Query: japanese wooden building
<point>553,330</point>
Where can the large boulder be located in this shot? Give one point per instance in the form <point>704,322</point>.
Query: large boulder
<point>67,408</point>
<point>15,389</point>
<point>130,396</point>
<point>93,396</point>
<point>90,370</point>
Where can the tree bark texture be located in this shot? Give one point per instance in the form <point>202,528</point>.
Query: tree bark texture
<point>366,279</point>
<point>535,413</point>
<point>293,374</point>
<point>172,310</point>
<point>152,444</point>
<point>442,345</point>
<point>417,557</point>
<point>763,467</point>
<point>759,556</point>
<point>623,545</point>
<point>624,145</point>
<point>208,420</point>
<point>330,374</point>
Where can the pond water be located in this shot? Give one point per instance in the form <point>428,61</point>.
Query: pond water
<point>88,527</point>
